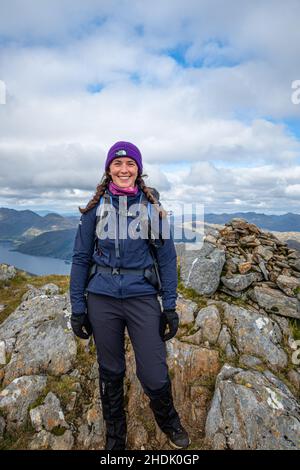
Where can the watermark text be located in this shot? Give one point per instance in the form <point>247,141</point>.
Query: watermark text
<point>295,96</point>
<point>2,92</point>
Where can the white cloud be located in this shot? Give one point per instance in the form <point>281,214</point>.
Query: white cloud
<point>214,121</point>
<point>293,190</point>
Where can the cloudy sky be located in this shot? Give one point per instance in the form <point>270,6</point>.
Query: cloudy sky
<point>202,87</point>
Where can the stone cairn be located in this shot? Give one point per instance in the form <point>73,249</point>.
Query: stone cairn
<point>246,263</point>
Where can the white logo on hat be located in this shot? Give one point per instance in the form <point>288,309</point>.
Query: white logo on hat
<point>121,152</point>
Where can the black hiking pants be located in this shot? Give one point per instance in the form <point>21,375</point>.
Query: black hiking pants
<point>140,315</point>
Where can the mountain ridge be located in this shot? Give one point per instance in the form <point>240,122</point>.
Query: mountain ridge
<point>53,234</point>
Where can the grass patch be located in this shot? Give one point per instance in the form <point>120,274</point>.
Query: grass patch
<point>191,331</point>
<point>58,431</point>
<point>39,401</point>
<point>19,439</point>
<point>62,281</point>
<point>207,381</point>
<point>191,294</point>
<point>148,424</point>
<point>296,290</point>
<point>295,328</point>
<point>232,300</point>
<point>61,387</point>
<point>12,291</point>
<point>86,355</point>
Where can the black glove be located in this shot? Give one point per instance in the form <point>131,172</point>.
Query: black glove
<point>80,321</point>
<point>168,318</point>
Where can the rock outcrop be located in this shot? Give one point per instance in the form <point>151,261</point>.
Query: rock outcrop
<point>252,410</point>
<point>38,337</point>
<point>202,270</point>
<point>7,272</point>
<point>234,362</point>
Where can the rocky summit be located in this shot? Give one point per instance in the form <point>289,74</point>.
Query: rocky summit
<point>248,264</point>
<point>235,362</point>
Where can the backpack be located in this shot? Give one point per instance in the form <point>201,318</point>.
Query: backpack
<point>106,199</point>
<point>152,240</point>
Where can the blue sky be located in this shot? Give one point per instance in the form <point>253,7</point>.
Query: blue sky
<point>202,89</point>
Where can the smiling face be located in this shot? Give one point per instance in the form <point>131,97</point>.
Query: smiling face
<point>123,171</point>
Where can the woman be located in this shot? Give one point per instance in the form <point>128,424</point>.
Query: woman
<point>123,292</point>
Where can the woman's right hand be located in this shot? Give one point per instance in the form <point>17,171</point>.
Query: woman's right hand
<point>78,322</point>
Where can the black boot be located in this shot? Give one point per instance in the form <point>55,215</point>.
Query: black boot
<point>167,418</point>
<point>112,399</point>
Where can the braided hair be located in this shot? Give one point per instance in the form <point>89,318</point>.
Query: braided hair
<point>103,186</point>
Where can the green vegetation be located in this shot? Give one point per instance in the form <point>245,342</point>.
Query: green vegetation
<point>239,302</point>
<point>86,355</point>
<point>296,290</point>
<point>39,401</point>
<point>295,327</point>
<point>19,439</point>
<point>58,431</point>
<point>61,386</point>
<point>190,293</point>
<point>11,291</point>
<point>207,381</point>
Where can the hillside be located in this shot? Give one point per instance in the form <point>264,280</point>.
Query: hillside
<point>55,244</point>
<point>25,225</point>
<point>282,223</point>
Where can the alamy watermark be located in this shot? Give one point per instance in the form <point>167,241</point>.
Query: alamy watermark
<point>2,92</point>
<point>295,96</point>
<point>184,222</point>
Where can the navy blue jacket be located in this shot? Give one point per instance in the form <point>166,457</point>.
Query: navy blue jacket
<point>132,254</point>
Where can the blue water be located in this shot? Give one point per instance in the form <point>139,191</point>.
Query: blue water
<point>39,265</point>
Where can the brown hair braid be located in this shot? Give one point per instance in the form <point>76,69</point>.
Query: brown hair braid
<point>100,190</point>
<point>103,185</point>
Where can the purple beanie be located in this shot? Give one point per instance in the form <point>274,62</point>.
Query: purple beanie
<point>124,149</point>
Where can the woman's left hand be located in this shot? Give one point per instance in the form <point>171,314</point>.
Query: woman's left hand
<point>169,318</point>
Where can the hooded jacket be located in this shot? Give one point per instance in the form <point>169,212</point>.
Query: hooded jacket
<point>118,253</point>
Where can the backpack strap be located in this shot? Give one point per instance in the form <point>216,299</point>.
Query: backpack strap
<point>153,241</point>
<point>106,200</point>
<point>103,202</point>
<point>154,238</point>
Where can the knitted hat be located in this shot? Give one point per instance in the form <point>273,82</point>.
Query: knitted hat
<point>124,149</point>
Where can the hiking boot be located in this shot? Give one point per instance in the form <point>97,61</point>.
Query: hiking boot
<point>112,399</point>
<point>179,438</point>
<point>166,416</point>
<point>115,435</point>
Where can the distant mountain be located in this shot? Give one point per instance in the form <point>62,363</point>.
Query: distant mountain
<point>293,244</point>
<point>282,223</point>
<point>53,216</point>
<point>25,225</point>
<point>55,244</point>
<point>63,214</point>
<point>53,234</point>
